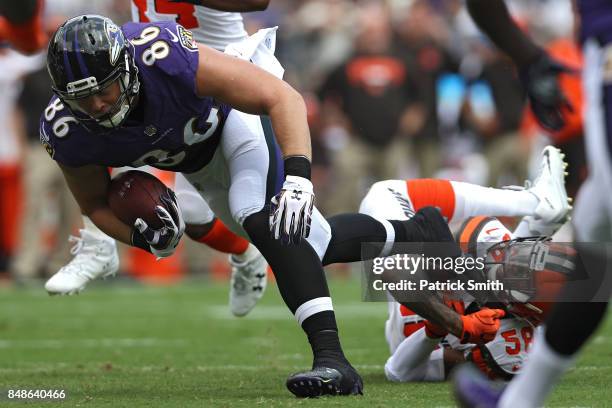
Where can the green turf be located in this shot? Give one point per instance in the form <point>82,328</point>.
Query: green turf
<point>130,346</point>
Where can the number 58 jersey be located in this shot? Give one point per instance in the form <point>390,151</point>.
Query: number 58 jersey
<point>177,130</point>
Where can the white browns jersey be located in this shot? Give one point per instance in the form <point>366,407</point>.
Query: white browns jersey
<point>503,357</point>
<point>508,349</point>
<point>211,27</point>
<point>389,199</point>
<point>401,323</point>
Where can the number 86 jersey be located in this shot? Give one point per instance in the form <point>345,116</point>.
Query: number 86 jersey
<point>171,128</point>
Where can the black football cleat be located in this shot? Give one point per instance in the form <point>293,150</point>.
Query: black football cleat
<point>326,381</point>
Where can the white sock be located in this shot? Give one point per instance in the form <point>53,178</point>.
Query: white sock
<point>407,362</point>
<point>250,253</point>
<point>539,375</point>
<point>472,200</point>
<point>89,226</point>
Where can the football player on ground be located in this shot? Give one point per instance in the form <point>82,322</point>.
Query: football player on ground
<point>422,351</point>
<point>113,86</point>
<point>415,343</point>
<point>216,25</point>
<point>570,324</point>
<point>541,215</point>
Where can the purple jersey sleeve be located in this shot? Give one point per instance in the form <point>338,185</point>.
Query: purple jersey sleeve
<point>177,129</point>
<point>58,132</point>
<point>166,47</point>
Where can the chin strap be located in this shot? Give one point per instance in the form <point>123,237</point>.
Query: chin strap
<point>128,104</point>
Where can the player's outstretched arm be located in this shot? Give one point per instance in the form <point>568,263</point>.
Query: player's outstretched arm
<point>89,186</point>
<point>253,90</point>
<point>229,5</point>
<point>537,71</point>
<point>477,327</point>
<point>493,18</point>
<point>250,89</point>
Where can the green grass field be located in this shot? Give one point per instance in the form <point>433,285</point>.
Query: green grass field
<point>123,345</point>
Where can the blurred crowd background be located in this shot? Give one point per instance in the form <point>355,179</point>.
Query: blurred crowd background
<point>395,89</point>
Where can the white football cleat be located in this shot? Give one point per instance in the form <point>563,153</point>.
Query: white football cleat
<point>94,257</point>
<point>249,280</point>
<point>549,188</point>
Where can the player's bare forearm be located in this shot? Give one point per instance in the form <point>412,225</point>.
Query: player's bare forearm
<point>425,303</point>
<point>236,5</point>
<point>105,219</point>
<point>250,89</point>
<point>288,118</point>
<point>89,186</point>
<point>493,18</point>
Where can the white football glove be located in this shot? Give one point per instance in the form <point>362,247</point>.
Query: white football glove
<point>163,241</point>
<point>291,210</point>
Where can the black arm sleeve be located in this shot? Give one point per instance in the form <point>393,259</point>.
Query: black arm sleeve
<point>493,18</point>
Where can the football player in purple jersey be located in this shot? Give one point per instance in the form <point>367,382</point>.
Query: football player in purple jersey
<point>148,94</point>
<point>216,24</point>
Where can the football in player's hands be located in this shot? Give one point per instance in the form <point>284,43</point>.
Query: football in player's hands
<point>135,194</point>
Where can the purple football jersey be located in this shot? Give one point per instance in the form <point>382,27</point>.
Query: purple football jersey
<point>596,19</point>
<point>180,130</point>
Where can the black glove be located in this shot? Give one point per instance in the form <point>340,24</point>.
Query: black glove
<point>541,80</point>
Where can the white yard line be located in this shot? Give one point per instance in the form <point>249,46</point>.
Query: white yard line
<point>45,367</point>
<point>280,312</point>
<point>90,343</point>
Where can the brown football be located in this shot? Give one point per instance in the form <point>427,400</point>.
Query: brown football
<point>135,194</point>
